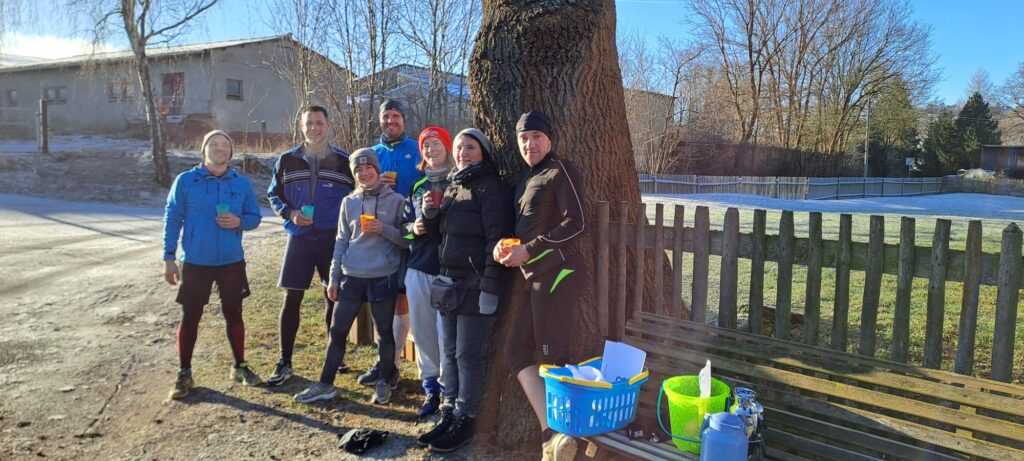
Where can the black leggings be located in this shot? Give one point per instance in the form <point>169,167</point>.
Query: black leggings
<point>539,334</point>
<point>289,320</point>
<point>188,330</point>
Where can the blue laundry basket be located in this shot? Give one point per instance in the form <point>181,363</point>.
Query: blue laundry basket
<point>583,408</point>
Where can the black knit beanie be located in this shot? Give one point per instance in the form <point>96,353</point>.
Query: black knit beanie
<point>392,104</point>
<point>534,120</point>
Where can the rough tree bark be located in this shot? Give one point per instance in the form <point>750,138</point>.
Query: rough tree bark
<point>558,56</point>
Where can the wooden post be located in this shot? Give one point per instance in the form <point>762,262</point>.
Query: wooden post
<point>638,259</point>
<point>1006,304</point>
<point>904,286</point>
<point>872,286</point>
<point>936,295</point>
<point>701,253</point>
<point>659,253</point>
<point>784,288</point>
<point>841,312</point>
<point>602,267</point>
<point>263,134</point>
<point>969,303</point>
<point>730,270</point>
<point>677,261</point>
<point>361,333</point>
<point>812,302</point>
<point>756,319</point>
<point>620,273</point>
<point>44,127</point>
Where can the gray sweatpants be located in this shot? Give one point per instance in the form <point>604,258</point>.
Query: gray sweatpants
<point>427,329</point>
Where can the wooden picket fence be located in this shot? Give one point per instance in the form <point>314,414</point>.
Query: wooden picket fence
<point>907,261</point>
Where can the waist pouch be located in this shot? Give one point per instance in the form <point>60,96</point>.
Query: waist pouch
<point>446,294</point>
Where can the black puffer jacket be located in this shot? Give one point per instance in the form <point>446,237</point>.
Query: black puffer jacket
<point>476,213</point>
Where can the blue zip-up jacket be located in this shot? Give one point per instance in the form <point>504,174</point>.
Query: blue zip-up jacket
<point>290,189</point>
<point>400,156</point>
<point>192,207</point>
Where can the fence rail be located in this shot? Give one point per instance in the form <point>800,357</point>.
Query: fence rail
<point>937,264</point>
<point>789,187</point>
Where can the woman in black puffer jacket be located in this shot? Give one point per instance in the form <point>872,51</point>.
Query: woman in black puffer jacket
<point>475,214</point>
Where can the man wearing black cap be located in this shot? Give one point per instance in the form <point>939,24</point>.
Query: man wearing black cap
<point>550,220</point>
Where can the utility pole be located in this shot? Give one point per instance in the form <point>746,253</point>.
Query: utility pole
<point>867,137</point>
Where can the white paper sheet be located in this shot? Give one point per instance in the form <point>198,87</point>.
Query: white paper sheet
<point>621,361</point>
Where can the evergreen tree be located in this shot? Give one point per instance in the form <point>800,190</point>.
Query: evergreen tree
<point>941,150</point>
<point>975,127</point>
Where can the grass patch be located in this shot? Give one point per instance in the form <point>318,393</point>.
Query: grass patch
<point>925,227</point>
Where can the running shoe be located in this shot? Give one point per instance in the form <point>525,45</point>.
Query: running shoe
<point>242,374</point>
<point>183,384</point>
<point>281,374</point>
<point>316,391</point>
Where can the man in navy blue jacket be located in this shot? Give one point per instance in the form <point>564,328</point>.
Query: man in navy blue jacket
<point>306,191</point>
<point>213,204</point>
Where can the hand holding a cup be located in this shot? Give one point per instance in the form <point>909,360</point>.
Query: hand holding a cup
<point>504,248</point>
<point>225,218</point>
<point>300,219</point>
<point>390,178</point>
<point>419,227</point>
<point>369,224</point>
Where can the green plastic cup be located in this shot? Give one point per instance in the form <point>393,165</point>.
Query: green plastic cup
<point>307,210</point>
<point>223,208</point>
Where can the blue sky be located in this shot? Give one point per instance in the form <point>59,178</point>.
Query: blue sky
<point>966,34</point>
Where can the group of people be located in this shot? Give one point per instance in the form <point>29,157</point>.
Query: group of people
<point>424,232</point>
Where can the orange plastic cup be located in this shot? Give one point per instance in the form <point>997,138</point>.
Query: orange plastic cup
<point>391,175</point>
<point>507,244</point>
<point>364,220</point>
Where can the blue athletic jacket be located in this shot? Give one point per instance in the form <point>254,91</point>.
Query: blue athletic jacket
<point>290,189</point>
<point>192,206</point>
<point>400,156</point>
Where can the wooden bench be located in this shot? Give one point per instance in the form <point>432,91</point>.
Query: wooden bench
<point>821,404</point>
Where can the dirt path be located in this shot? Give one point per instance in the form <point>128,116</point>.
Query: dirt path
<point>87,353</point>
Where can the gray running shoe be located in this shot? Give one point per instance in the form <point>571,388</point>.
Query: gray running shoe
<point>316,391</point>
<point>382,393</point>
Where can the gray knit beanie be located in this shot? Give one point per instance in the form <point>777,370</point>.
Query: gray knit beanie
<point>481,138</point>
<point>364,156</point>
<point>206,140</point>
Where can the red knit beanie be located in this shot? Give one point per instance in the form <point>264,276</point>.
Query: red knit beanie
<point>439,133</point>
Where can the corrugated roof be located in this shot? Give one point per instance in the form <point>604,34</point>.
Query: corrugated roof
<point>152,53</point>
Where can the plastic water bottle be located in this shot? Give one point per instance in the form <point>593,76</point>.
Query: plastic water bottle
<point>723,438</point>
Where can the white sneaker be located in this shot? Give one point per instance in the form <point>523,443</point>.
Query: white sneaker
<point>561,447</point>
<point>316,391</point>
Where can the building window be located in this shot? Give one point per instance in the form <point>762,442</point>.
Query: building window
<point>234,89</point>
<point>119,90</point>
<point>56,94</point>
<point>12,98</point>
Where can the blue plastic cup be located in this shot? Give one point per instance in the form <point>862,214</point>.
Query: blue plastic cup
<point>307,210</point>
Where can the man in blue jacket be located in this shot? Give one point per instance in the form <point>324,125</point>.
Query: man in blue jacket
<point>306,190</point>
<point>213,203</point>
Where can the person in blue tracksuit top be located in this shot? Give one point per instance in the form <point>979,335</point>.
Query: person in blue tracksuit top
<point>398,155</point>
<point>208,208</point>
<point>306,190</point>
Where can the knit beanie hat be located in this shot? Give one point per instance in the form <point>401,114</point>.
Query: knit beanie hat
<point>364,156</point>
<point>206,140</point>
<point>392,104</point>
<point>436,132</point>
<point>534,120</point>
<point>481,138</point>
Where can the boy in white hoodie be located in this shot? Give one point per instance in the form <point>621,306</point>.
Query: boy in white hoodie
<point>367,255</point>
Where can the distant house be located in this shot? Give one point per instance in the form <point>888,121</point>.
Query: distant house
<point>231,85</point>
<point>1008,160</point>
<point>448,105</point>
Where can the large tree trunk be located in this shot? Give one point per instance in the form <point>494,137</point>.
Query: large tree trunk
<point>558,56</point>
